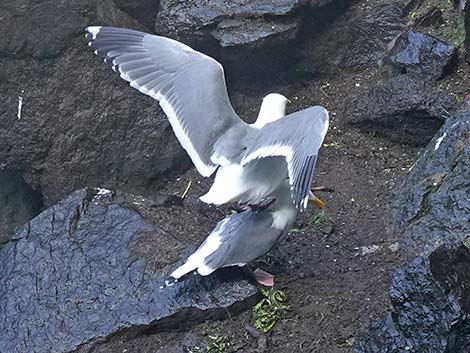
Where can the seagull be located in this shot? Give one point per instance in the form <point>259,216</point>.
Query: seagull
<point>251,161</point>
<point>242,237</point>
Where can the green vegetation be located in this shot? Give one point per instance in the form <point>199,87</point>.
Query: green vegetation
<point>268,311</point>
<point>454,30</point>
<point>334,145</point>
<point>320,220</point>
<point>294,230</point>
<point>451,29</point>
<point>445,113</point>
<point>216,344</point>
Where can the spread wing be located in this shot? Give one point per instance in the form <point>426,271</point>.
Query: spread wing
<point>189,86</point>
<point>298,138</point>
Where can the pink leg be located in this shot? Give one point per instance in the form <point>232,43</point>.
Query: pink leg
<point>264,278</point>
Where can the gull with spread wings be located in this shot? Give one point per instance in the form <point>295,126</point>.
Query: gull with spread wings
<point>251,161</point>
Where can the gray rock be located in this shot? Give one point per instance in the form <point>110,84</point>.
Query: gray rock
<point>319,3</point>
<point>144,11</point>
<point>339,38</point>
<point>432,18</point>
<point>432,204</point>
<point>80,124</point>
<point>232,23</point>
<point>431,215</point>
<point>402,108</point>
<point>233,32</point>
<point>88,270</point>
<point>421,55</point>
<point>467,29</point>
<point>43,29</point>
<point>430,307</point>
<point>18,203</point>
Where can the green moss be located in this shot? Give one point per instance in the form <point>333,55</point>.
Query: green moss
<point>320,220</point>
<point>268,311</point>
<point>452,30</point>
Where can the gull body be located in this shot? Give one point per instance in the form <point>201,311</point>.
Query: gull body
<point>251,160</point>
<point>242,237</point>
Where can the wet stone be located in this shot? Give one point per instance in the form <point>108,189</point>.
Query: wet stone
<point>231,23</point>
<point>83,271</point>
<point>401,108</point>
<point>421,55</point>
<point>430,306</point>
<point>67,121</point>
<point>431,205</point>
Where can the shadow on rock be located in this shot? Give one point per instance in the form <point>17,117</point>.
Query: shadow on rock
<point>402,108</point>
<point>18,203</point>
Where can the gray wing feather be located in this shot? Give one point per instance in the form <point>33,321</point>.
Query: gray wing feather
<point>189,85</point>
<point>298,138</point>
<point>246,236</point>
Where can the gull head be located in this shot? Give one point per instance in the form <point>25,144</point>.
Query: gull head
<point>273,107</point>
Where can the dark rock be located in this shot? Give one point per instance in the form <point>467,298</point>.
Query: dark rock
<point>254,40</point>
<point>233,32</point>
<point>411,6</point>
<point>144,11</point>
<point>80,124</point>
<point>319,3</point>
<point>402,108</point>
<point>336,37</point>
<point>232,23</point>
<point>18,203</point>
<point>467,29</point>
<point>432,205</point>
<point>431,18</point>
<point>430,307</point>
<point>43,29</point>
<point>88,270</point>
<point>421,55</point>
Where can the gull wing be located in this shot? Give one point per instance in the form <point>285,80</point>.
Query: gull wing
<point>297,137</point>
<point>189,86</point>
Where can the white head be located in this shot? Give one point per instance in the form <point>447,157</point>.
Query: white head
<point>272,108</point>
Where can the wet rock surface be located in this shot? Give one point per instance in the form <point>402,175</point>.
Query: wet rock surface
<point>432,204</point>
<point>18,203</point>
<point>232,23</point>
<point>338,38</point>
<point>402,108</point>
<point>421,55</point>
<point>43,29</point>
<point>86,270</point>
<point>144,11</point>
<point>430,306</point>
<point>431,216</point>
<point>66,120</point>
<point>250,38</point>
